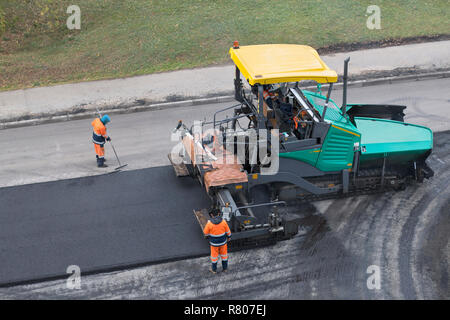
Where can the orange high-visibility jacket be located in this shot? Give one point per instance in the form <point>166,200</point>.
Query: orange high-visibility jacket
<point>99,135</point>
<point>267,94</point>
<point>217,230</point>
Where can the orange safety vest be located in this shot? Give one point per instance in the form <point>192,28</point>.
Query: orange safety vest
<point>296,122</point>
<point>217,233</point>
<point>99,135</point>
<point>266,95</point>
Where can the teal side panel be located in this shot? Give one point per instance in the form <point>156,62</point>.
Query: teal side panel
<point>309,156</point>
<point>338,150</point>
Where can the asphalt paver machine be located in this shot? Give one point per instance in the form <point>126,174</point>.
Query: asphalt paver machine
<point>282,144</point>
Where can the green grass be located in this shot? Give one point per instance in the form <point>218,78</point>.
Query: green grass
<point>125,38</point>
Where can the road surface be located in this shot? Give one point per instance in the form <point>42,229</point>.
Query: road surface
<point>100,222</point>
<point>64,150</point>
<point>404,234</point>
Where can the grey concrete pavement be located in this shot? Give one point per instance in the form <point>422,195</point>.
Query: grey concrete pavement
<point>429,55</point>
<point>201,82</point>
<point>64,150</point>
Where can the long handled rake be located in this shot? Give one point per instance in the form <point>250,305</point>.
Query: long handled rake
<point>120,165</point>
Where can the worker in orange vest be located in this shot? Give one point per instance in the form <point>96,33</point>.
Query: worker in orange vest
<point>300,131</point>
<point>99,137</point>
<point>268,96</point>
<point>219,234</point>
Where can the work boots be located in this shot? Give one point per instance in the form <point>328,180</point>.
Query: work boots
<point>101,163</point>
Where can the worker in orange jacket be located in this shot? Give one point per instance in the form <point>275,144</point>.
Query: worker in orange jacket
<point>219,234</point>
<point>268,96</point>
<point>99,137</point>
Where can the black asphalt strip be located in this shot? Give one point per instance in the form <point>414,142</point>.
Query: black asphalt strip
<point>98,223</point>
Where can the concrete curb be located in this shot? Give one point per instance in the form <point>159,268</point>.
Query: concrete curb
<point>142,105</point>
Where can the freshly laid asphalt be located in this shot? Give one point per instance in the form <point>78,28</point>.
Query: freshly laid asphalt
<point>98,223</point>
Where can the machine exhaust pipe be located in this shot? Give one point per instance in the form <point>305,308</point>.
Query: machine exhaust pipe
<point>344,93</point>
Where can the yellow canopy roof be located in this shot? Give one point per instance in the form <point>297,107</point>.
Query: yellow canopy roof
<point>278,63</point>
